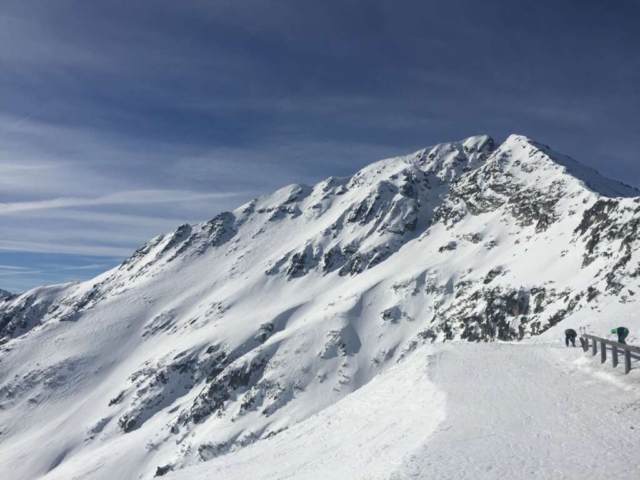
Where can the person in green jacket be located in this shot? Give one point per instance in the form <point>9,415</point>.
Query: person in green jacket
<point>622,333</point>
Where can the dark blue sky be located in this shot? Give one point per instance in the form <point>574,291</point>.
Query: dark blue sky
<point>120,120</point>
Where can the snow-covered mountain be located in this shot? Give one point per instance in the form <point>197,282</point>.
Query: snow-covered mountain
<point>4,294</point>
<point>227,333</point>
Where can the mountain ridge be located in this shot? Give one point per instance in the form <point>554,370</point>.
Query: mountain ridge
<point>224,333</point>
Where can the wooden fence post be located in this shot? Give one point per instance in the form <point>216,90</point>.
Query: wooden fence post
<point>595,348</point>
<point>603,352</point>
<point>614,356</point>
<point>627,361</point>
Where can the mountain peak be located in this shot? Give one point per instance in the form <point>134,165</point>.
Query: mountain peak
<point>539,157</point>
<point>222,334</point>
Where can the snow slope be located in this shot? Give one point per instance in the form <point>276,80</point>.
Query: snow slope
<point>233,332</point>
<point>354,438</point>
<point>453,414</point>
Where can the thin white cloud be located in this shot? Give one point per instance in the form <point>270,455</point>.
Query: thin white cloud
<point>92,266</point>
<point>140,197</point>
<point>40,247</point>
<point>20,274</point>
<point>11,267</point>
<point>94,217</point>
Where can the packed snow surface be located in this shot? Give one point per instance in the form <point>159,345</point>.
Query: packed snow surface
<point>452,414</point>
<point>332,331</point>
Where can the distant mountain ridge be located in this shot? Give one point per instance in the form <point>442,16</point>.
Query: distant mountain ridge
<point>227,332</point>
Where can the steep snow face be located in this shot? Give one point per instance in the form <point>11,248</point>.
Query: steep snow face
<point>222,334</point>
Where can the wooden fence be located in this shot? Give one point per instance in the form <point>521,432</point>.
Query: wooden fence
<point>615,348</point>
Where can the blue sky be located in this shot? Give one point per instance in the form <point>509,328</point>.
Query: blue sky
<point>120,120</point>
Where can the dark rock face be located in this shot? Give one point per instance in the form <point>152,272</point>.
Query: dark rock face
<point>162,471</point>
<point>391,214</point>
<point>265,331</point>
<point>220,390</point>
<point>448,247</point>
<point>22,316</point>
<point>298,265</point>
<point>214,233</point>
<point>159,384</point>
<point>605,224</point>
<point>492,275</point>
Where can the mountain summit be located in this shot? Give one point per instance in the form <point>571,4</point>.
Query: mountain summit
<point>226,333</point>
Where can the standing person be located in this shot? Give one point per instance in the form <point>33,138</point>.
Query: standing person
<point>622,333</point>
<point>570,336</point>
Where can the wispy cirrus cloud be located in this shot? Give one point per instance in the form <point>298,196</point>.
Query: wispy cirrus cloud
<point>12,268</point>
<point>139,197</point>
<point>69,249</point>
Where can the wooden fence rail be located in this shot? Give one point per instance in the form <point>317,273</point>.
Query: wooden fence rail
<point>615,348</point>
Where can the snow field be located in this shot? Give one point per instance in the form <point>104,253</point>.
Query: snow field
<point>481,411</point>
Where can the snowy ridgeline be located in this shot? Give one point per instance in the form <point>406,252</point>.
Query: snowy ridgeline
<point>224,334</point>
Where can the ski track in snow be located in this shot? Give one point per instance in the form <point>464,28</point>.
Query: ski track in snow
<point>525,411</point>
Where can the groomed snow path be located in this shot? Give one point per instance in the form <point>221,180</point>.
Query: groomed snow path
<point>528,412</point>
<point>525,411</point>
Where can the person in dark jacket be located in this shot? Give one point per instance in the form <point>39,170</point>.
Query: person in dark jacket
<point>570,336</point>
<point>622,333</point>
